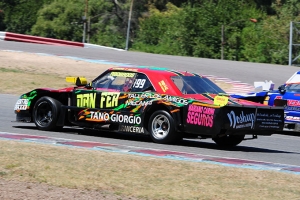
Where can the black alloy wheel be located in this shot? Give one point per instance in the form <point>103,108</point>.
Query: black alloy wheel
<point>46,113</point>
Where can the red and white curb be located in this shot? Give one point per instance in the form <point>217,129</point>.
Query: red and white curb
<point>157,153</point>
<point>237,86</point>
<point>8,36</point>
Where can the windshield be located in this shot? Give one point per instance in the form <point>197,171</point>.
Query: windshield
<point>195,85</point>
<point>292,88</point>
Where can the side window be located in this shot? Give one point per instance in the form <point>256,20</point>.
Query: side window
<point>102,82</point>
<point>178,82</point>
<point>115,81</point>
<point>142,84</point>
<point>185,87</point>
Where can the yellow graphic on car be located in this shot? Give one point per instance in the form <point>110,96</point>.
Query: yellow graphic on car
<point>123,74</point>
<point>163,85</point>
<point>220,100</point>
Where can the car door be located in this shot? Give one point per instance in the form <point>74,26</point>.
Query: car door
<point>105,101</point>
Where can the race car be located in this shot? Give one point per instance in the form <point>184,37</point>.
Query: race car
<point>165,104</point>
<point>287,95</point>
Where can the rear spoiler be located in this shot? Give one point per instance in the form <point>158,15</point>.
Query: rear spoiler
<point>267,85</point>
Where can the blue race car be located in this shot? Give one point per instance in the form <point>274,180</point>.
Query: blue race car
<point>287,95</point>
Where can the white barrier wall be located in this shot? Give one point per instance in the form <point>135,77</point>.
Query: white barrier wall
<point>2,35</point>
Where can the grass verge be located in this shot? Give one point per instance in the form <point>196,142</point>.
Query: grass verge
<point>142,177</point>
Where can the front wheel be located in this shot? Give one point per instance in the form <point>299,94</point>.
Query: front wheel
<point>46,113</point>
<point>229,140</point>
<point>162,128</point>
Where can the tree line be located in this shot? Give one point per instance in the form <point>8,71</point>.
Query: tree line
<point>241,30</point>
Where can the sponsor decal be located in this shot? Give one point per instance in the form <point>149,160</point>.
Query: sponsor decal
<point>293,102</point>
<point>200,115</point>
<point>144,95</point>
<point>268,120</point>
<point>242,120</point>
<point>21,104</point>
<point>131,129</point>
<point>122,74</point>
<point>268,115</point>
<point>293,118</point>
<point>163,85</point>
<point>138,103</point>
<point>176,99</point>
<point>278,97</point>
<point>99,116</point>
<point>89,100</point>
<point>86,100</point>
<point>292,108</point>
<point>220,100</point>
<point>109,99</point>
<point>102,116</point>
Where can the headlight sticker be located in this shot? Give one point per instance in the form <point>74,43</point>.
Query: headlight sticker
<point>21,104</point>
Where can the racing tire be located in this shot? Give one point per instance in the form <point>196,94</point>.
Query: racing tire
<point>162,128</point>
<point>229,140</point>
<point>46,113</point>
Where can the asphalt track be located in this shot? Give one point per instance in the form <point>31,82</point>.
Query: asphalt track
<point>240,71</point>
<point>276,148</point>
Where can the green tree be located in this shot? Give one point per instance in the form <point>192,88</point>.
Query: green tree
<point>2,24</point>
<point>20,15</point>
<point>110,27</point>
<point>60,19</point>
<point>195,30</point>
<point>269,41</point>
<point>176,27</point>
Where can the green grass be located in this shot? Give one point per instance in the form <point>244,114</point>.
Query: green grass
<point>130,175</point>
<point>2,69</point>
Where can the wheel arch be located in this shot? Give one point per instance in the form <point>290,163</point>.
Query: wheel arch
<point>62,97</point>
<point>46,113</point>
<point>154,107</point>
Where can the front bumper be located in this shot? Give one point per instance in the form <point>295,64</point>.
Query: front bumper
<point>291,127</point>
<point>23,117</point>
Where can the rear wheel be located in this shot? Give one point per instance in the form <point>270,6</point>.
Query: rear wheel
<point>46,113</point>
<point>162,128</point>
<point>229,140</point>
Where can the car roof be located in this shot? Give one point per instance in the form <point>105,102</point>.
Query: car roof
<point>155,70</point>
<point>161,78</point>
<point>295,78</point>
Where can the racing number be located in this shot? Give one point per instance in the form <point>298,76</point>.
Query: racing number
<point>139,83</point>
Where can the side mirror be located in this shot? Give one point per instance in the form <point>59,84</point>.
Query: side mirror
<point>282,89</point>
<point>89,86</point>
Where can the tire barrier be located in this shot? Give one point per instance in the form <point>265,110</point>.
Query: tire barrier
<point>35,39</point>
